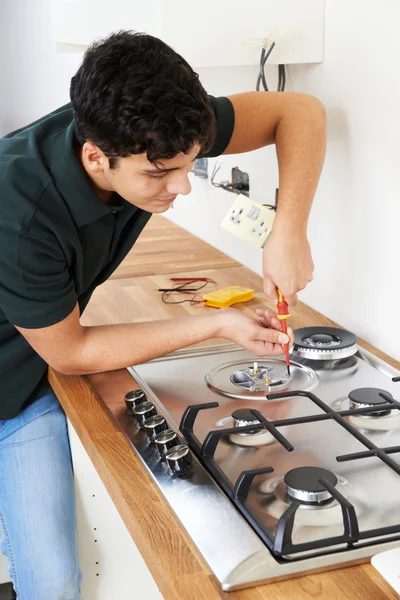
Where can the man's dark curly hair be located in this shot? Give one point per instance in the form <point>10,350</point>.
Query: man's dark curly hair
<point>133,94</point>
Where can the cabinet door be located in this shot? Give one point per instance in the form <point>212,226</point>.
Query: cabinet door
<point>111,564</point>
<point>79,22</point>
<point>221,33</point>
<point>210,33</point>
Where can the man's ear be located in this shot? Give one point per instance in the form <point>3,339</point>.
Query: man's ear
<point>94,159</point>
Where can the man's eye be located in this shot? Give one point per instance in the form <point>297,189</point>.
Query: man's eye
<point>157,177</point>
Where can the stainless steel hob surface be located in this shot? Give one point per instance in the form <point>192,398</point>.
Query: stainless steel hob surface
<point>239,383</point>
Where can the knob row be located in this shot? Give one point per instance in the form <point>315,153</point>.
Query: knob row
<point>169,445</point>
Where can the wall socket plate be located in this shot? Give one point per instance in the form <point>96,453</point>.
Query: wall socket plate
<point>249,220</point>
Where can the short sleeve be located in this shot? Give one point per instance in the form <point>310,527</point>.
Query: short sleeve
<point>36,289</point>
<point>225,117</point>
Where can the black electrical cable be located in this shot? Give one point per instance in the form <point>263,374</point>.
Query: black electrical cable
<point>271,206</point>
<point>282,78</point>
<point>183,290</point>
<point>261,79</point>
<point>261,74</point>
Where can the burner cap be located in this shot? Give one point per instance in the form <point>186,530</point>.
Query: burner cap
<point>242,417</point>
<point>302,483</point>
<point>322,338</point>
<point>366,397</point>
<point>324,343</point>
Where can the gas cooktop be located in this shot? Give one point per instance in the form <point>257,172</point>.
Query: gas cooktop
<point>274,475</point>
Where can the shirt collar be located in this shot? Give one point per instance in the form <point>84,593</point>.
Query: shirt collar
<point>74,185</point>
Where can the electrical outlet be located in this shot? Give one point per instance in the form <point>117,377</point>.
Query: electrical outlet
<point>236,216</point>
<point>249,220</point>
<point>259,230</point>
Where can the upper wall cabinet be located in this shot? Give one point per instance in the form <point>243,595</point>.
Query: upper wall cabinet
<point>208,33</point>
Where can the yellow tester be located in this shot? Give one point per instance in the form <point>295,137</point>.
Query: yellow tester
<point>228,296</point>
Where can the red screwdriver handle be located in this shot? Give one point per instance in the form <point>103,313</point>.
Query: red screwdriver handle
<point>283,314</point>
<point>283,309</point>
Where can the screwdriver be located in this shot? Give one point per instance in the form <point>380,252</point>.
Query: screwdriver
<point>283,314</point>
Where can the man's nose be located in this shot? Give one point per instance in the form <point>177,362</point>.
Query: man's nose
<point>179,184</point>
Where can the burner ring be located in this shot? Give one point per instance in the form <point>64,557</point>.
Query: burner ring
<point>324,343</point>
<point>233,379</point>
<point>303,484</point>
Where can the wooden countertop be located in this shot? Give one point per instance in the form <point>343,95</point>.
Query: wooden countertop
<point>95,408</point>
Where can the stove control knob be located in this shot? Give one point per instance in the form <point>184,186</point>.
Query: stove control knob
<point>143,411</point>
<point>154,425</point>
<point>133,398</point>
<point>165,440</point>
<point>179,460</point>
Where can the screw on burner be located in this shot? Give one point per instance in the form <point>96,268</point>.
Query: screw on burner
<point>255,369</point>
<point>303,483</point>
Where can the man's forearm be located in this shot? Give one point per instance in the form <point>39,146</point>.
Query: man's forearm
<point>300,140</point>
<point>110,347</point>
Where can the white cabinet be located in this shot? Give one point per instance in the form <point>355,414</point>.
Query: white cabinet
<point>80,22</point>
<point>209,33</point>
<point>110,562</point>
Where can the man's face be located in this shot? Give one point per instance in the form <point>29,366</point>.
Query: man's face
<point>152,188</point>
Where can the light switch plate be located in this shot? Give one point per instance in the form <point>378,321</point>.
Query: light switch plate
<point>388,565</point>
<point>249,220</point>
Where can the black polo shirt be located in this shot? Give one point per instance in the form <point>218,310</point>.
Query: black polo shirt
<point>58,240</point>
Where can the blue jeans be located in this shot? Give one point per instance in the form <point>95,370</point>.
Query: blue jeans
<point>37,503</point>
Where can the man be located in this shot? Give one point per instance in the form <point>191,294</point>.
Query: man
<point>77,188</point>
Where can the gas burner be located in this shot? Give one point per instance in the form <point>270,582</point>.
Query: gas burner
<point>324,343</point>
<point>368,398</point>
<point>303,483</point>
<point>243,417</point>
<point>249,380</point>
<point>380,420</point>
<point>256,378</point>
<point>278,493</point>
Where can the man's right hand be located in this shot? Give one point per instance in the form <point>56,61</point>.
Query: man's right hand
<point>261,336</point>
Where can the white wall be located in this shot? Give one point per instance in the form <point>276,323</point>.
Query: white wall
<point>355,224</point>
<point>33,79</point>
<point>354,227</point>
